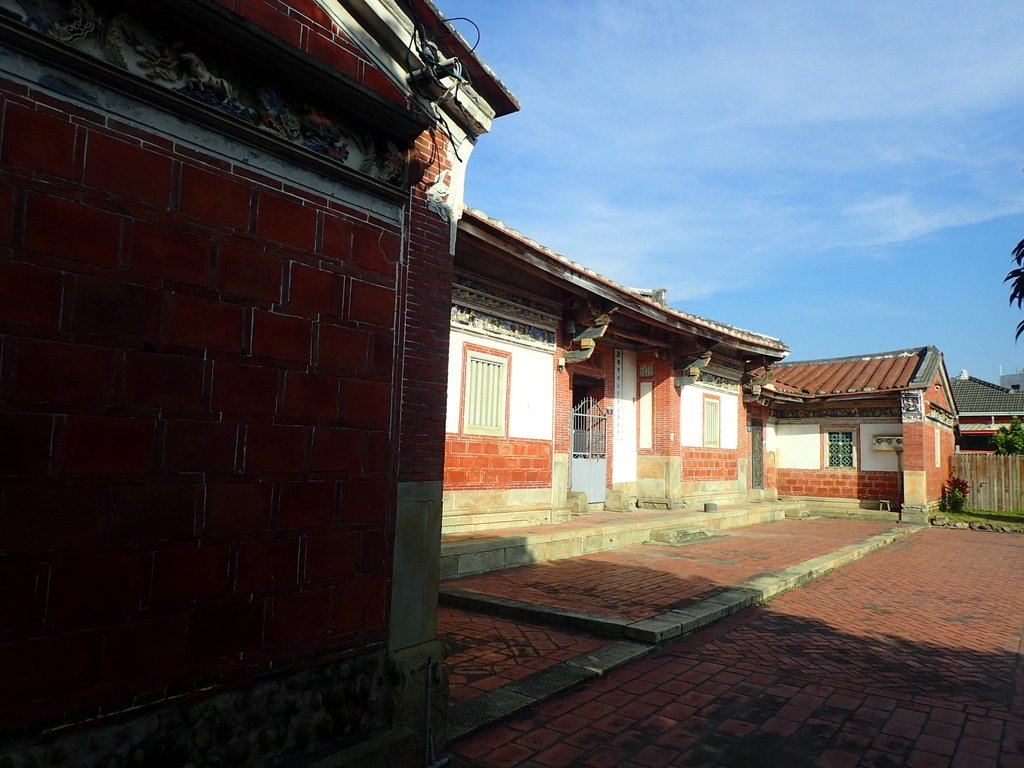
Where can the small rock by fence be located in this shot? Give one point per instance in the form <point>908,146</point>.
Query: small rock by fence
<point>975,525</point>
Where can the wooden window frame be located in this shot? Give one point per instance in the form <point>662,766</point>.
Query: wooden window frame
<point>705,442</point>
<point>472,352</point>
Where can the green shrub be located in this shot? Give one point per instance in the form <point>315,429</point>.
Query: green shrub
<point>1009,439</point>
<point>954,495</point>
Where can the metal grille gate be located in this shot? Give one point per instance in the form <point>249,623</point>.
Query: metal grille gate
<point>589,425</point>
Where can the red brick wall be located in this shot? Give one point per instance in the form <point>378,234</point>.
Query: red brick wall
<point>486,463</point>
<point>563,396</point>
<point>915,435</point>
<point>666,408</point>
<point>709,464</point>
<point>838,484</point>
<point>938,475</point>
<point>198,408</point>
<point>426,326</point>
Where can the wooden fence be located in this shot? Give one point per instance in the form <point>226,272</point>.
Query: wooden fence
<point>995,483</point>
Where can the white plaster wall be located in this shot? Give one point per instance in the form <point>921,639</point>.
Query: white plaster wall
<point>798,446</point>
<point>770,441</point>
<point>645,406</point>
<point>691,416</point>
<point>531,390</point>
<point>624,420</point>
<point>730,418</point>
<point>873,460</point>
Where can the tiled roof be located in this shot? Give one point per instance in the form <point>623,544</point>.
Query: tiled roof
<point>769,342</point>
<point>884,371</point>
<point>976,396</point>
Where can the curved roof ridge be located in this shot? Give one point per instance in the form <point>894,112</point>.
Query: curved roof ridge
<point>696,319</point>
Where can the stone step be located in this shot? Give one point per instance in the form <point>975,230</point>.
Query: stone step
<point>467,554</point>
<point>680,535</point>
<point>488,519</point>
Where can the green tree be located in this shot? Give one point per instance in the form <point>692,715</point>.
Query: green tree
<point>1016,280</point>
<point>1009,439</point>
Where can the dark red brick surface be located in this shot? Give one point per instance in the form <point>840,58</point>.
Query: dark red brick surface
<point>488,652</point>
<point>908,657</point>
<point>638,582</point>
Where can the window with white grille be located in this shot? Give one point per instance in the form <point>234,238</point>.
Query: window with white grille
<point>712,422</point>
<point>839,446</point>
<point>484,403</point>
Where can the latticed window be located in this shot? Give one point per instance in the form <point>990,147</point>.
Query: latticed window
<point>484,404</point>
<point>712,423</point>
<point>840,449</point>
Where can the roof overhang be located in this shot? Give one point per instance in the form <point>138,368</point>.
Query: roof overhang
<point>504,244</point>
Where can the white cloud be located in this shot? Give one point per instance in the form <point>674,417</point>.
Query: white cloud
<point>700,145</point>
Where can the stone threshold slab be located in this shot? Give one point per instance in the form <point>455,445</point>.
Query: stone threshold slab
<point>640,638</point>
<point>482,554</point>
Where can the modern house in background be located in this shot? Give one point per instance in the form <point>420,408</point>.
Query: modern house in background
<point>226,236</point>
<point>984,407</point>
<point>874,430</point>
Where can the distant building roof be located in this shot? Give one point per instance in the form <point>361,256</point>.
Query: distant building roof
<point>975,396</point>
<point>881,372</point>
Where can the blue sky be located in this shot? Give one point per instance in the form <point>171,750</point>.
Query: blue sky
<point>845,176</point>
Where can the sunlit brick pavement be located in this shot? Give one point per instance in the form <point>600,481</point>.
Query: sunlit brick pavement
<point>488,652</point>
<point>638,582</point>
<point>908,657</point>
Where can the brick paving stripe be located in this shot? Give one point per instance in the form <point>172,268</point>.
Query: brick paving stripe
<point>640,582</point>
<point>907,657</point>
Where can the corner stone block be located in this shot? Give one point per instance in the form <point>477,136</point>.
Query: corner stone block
<point>915,515</point>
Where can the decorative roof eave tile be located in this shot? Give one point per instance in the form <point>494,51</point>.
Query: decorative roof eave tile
<point>651,311</point>
<point>817,397</point>
<point>898,370</point>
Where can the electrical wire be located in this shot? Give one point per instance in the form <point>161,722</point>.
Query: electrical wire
<point>465,18</point>
<point>420,40</point>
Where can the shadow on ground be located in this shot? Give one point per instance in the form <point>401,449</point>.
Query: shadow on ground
<point>873,666</point>
<point>766,689</point>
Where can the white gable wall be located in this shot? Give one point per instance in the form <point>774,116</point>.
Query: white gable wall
<point>798,446</point>
<point>531,395</point>
<point>691,416</point>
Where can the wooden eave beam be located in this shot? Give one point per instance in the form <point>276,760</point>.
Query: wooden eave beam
<point>637,338</point>
<point>515,252</point>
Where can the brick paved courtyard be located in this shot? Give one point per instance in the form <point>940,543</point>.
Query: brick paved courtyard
<point>638,582</point>
<point>488,651</point>
<point>908,657</point>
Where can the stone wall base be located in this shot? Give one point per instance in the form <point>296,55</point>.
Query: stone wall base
<point>914,514</point>
<point>281,720</point>
<point>419,676</point>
